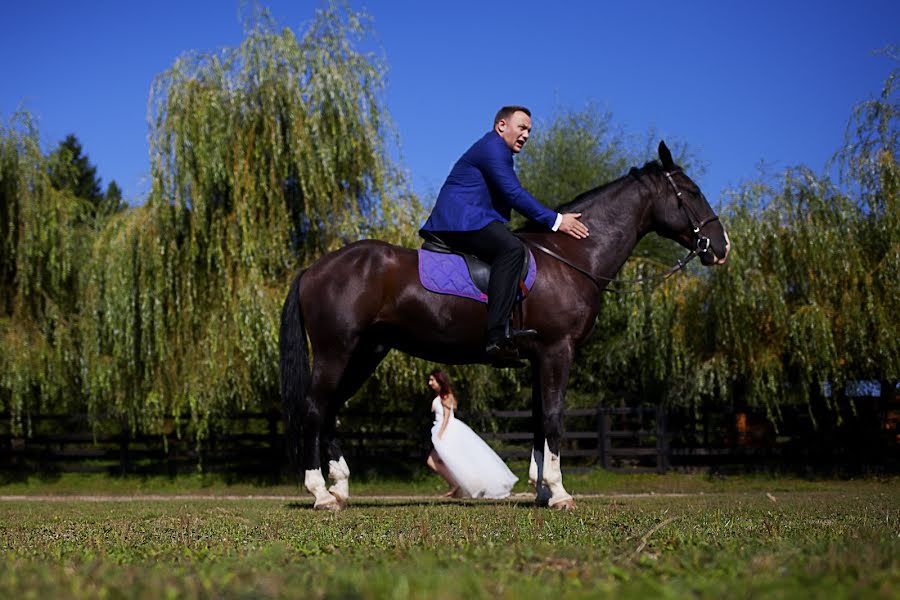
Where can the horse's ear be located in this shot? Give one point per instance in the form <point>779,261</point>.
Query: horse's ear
<point>666,157</point>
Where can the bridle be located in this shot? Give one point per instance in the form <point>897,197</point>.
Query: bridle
<point>703,242</point>
<point>702,246</point>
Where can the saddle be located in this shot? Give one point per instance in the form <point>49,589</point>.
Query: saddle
<point>445,271</point>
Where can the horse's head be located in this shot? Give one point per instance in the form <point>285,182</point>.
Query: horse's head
<point>682,213</point>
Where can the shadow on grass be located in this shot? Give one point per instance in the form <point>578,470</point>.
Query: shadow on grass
<point>389,503</point>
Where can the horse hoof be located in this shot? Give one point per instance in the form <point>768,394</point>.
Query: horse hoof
<point>332,505</point>
<point>564,504</point>
<point>342,501</point>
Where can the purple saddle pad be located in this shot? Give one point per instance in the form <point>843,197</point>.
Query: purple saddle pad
<point>448,274</point>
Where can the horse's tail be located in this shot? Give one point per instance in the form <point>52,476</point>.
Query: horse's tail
<point>295,376</point>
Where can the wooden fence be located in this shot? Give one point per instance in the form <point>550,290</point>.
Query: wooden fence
<point>619,439</point>
<point>67,443</point>
<point>255,441</point>
<point>633,439</point>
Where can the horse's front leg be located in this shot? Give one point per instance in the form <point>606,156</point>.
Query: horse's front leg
<point>553,370</point>
<point>539,449</point>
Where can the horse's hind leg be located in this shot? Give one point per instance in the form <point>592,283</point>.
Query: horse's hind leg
<point>338,472</point>
<point>352,375</point>
<point>312,430</point>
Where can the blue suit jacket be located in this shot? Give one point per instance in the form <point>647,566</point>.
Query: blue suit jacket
<point>482,187</point>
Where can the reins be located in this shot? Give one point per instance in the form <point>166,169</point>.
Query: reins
<point>702,247</point>
<point>661,276</point>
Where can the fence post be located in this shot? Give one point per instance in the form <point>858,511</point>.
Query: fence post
<point>662,445</point>
<point>706,407</point>
<point>275,448</point>
<point>123,448</point>
<point>604,444</point>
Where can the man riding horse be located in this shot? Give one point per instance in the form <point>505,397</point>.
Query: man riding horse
<point>356,304</point>
<point>469,215</point>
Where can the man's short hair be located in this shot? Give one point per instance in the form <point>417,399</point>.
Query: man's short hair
<point>507,111</point>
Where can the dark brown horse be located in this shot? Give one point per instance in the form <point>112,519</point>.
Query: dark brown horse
<point>359,302</point>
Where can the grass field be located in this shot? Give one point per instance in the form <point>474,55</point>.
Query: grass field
<point>631,537</point>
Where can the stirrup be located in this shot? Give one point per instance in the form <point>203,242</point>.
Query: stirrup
<point>521,334</point>
<point>502,354</point>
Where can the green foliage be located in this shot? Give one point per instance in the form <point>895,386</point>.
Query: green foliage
<point>267,155</point>
<point>42,248</point>
<point>72,171</point>
<point>263,157</point>
<point>807,297</point>
<point>574,152</point>
<point>112,199</point>
<point>812,292</point>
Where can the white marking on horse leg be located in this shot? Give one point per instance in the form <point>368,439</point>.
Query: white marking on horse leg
<point>553,478</point>
<point>339,472</point>
<point>532,471</point>
<point>315,483</point>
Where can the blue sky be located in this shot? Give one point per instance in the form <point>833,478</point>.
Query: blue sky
<point>742,83</point>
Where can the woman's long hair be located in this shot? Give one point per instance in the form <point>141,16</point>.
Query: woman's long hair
<point>445,389</point>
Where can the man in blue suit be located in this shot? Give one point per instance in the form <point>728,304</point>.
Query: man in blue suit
<point>470,215</point>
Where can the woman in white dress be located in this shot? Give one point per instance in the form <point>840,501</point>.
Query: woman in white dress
<point>470,467</point>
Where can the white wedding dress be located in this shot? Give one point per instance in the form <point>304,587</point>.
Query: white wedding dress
<point>477,469</point>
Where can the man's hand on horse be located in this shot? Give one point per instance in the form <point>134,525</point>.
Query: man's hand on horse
<point>571,225</point>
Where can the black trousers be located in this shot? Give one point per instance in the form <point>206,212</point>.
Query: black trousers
<point>497,246</point>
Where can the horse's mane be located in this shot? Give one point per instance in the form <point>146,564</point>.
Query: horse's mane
<point>591,196</point>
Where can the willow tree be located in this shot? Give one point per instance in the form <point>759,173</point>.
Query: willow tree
<point>262,156</point>
<point>811,294</point>
<point>42,247</point>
